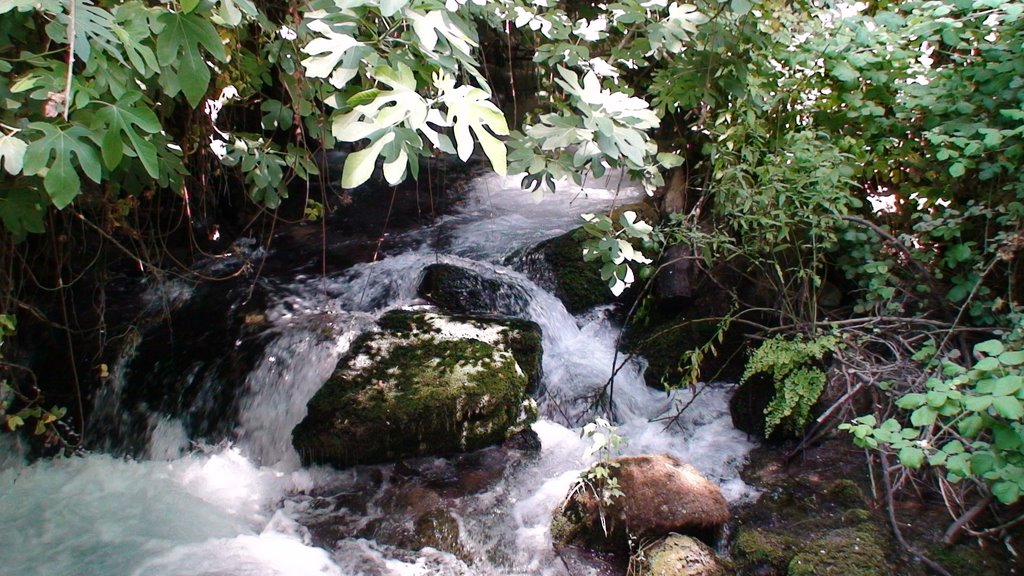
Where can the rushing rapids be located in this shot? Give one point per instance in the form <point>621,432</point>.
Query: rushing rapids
<point>231,498</point>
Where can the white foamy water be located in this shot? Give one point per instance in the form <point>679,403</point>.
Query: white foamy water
<point>249,509</point>
<point>499,218</point>
<point>98,515</point>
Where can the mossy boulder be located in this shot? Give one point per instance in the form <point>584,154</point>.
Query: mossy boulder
<point>859,550</point>
<point>426,384</point>
<point>764,552</point>
<point>661,496</point>
<point>557,264</point>
<point>813,516</point>
<point>680,555</point>
<point>459,290</point>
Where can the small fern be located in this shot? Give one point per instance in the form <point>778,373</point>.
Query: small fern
<point>798,380</point>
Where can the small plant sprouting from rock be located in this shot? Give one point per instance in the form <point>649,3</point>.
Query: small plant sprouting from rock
<point>604,443</point>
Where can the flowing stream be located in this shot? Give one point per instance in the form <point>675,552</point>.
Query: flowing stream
<point>241,504</point>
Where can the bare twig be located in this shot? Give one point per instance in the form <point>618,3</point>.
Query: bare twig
<point>890,505</point>
<point>71,57</point>
<point>953,532</point>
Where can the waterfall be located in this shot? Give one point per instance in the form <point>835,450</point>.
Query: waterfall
<point>231,498</point>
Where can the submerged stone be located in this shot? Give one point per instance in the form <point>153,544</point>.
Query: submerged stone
<point>463,291</point>
<point>427,384</point>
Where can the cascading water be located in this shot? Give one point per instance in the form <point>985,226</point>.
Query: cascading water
<point>246,507</point>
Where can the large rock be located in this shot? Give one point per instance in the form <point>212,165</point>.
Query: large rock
<point>661,495</point>
<point>681,556</point>
<point>427,384</point>
<point>463,291</point>
<point>813,517</point>
<point>557,264</point>
<point>857,550</point>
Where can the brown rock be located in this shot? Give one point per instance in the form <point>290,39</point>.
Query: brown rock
<point>675,194</point>
<point>661,495</point>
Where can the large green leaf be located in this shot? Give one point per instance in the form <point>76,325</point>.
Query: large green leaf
<point>12,153</point>
<point>53,153</point>
<point>471,113</point>
<point>179,46</point>
<point>359,165</point>
<point>388,8</point>
<point>1008,407</point>
<point>94,28</point>
<point>556,132</point>
<point>335,55</point>
<point>426,27</point>
<point>22,211</point>
<point>1006,491</point>
<point>911,457</point>
<point>401,105</point>
<point>132,30</point>
<point>127,116</point>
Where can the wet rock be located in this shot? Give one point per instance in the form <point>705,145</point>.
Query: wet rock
<point>439,529</point>
<point>459,290</point>
<point>426,384</point>
<point>557,265</point>
<point>190,367</point>
<point>681,556</point>
<point>526,441</point>
<point>661,496</point>
<point>748,403</point>
<point>675,280</point>
<point>582,561</point>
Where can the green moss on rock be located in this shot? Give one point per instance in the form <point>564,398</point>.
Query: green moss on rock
<point>858,551</point>
<point>969,559</point>
<point>761,550</point>
<point>428,384</point>
<point>846,492</point>
<point>578,283</point>
<point>681,556</point>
